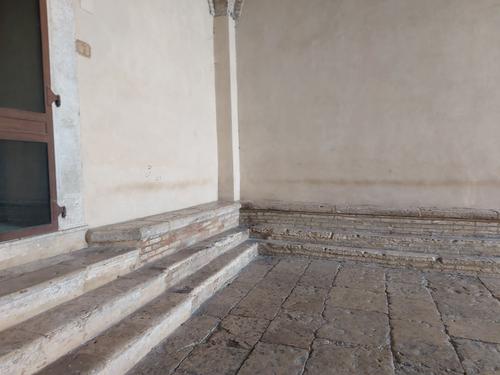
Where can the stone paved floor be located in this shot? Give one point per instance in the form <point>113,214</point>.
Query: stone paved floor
<point>297,316</point>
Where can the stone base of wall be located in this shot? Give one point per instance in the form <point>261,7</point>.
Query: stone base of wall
<point>457,239</point>
<point>160,235</point>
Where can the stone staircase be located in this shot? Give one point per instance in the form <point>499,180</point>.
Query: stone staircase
<point>99,310</point>
<point>460,240</point>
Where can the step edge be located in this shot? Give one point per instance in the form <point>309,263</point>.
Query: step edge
<point>80,268</point>
<point>331,209</point>
<point>382,252</point>
<point>487,264</point>
<point>110,233</point>
<point>369,233</point>
<point>469,246</point>
<point>85,279</point>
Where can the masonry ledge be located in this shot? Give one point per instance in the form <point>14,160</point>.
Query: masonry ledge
<point>147,227</point>
<point>437,213</point>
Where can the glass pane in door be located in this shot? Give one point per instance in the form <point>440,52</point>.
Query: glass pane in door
<point>21,68</point>
<point>24,185</point>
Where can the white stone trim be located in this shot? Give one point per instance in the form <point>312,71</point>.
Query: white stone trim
<point>64,79</point>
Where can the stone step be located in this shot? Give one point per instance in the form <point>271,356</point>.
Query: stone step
<point>406,221</point>
<point>33,288</point>
<point>480,264</point>
<point>37,342</point>
<point>122,346</point>
<point>30,249</point>
<point>456,245</point>
<point>153,226</point>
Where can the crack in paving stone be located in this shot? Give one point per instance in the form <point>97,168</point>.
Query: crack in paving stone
<point>283,302</point>
<point>391,328</point>
<point>452,343</point>
<point>488,289</point>
<point>311,348</point>
<point>227,314</point>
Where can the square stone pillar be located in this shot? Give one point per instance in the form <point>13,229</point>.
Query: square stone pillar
<point>226,90</point>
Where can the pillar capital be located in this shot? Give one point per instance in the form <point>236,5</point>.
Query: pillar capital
<point>226,8</point>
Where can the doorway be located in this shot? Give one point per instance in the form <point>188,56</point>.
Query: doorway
<point>28,202</point>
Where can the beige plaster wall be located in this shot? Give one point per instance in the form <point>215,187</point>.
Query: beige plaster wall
<point>386,102</point>
<point>148,126</point>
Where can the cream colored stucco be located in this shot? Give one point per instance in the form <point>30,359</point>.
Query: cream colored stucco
<point>386,102</point>
<point>148,126</point>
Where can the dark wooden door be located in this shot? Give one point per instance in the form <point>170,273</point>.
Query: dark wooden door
<point>28,202</point>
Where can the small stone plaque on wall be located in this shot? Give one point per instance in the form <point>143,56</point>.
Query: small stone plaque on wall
<point>83,48</point>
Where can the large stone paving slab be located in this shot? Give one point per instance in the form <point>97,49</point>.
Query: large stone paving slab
<point>239,331</point>
<point>403,308</point>
<point>307,299</point>
<point>479,357</point>
<point>357,299</point>
<point>355,327</point>
<point>261,303</point>
<point>211,359</point>
<point>330,358</point>
<point>299,316</point>
<point>366,277</point>
<point>293,328</point>
<point>403,275</point>
<point>475,329</point>
<point>320,274</point>
<point>272,359</point>
<point>420,346</point>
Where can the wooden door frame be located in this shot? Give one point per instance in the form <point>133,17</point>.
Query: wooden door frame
<point>19,125</point>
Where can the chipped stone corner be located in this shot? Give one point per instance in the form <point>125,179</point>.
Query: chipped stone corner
<point>230,8</point>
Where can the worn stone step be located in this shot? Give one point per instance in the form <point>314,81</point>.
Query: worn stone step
<point>16,252</point>
<point>30,289</point>
<point>37,342</point>
<point>122,346</point>
<point>152,226</point>
<point>457,245</point>
<point>480,264</point>
<point>430,221</point>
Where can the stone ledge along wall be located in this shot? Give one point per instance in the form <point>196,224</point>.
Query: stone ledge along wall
<point>467,239</point>
<point>160,235</point>
<point>427,221</point>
